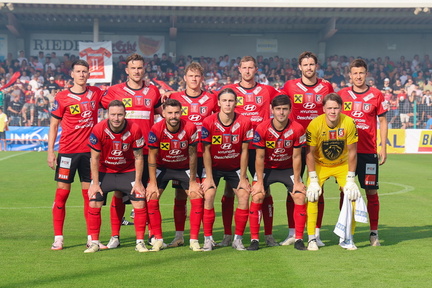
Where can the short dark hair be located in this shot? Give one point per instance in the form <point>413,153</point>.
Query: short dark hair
<point>307,54</point>
<point>357,63</point>
<point>116,103</point>
<point>333,97</point>
<point>280,100</point>
<point>227,91</point>
<point>172,103</point>
<point>80,62</point>
<point>134,57</point>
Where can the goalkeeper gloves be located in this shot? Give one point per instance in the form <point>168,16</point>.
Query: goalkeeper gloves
<point>314,189</point>
<point>351,189</point>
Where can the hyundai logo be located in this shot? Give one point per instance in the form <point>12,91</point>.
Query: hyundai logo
<point>226,146</point>
<point>279,150</point>
<point>194,118</point>
<point>249,108</point>
<point>117,153</point>
<point>309,105</point>
<point>86,114</point>
<point>357,114</point>
<point>175,152</point>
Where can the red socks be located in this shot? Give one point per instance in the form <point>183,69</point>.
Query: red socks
<point>373,207</point>
<point>268,211</point>
<point>180,214</point>
<point>155,218</point>
<point>94,219</point>
<point>208,221</point>
<point>240,219</point>
<point>117,211</point>
<point>227,213</point>
<point>300,216</point>
<point>59,210</point>
<point>195,217</point>
<point>86,205</point>
<point>140,222</point>
<point>255,219</point>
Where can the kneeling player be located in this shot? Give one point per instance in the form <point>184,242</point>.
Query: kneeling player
<point>278,144</point>
<point>116,165</point>
<point>173,156</point>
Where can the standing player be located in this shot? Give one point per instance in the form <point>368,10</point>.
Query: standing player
<point>364,104</point>
<point>278,143</point>
<point>142,102</point>
<point>172,156</point>
<point>76,109</point>
<point>306,94</point>
<point>253,102</point>
<point>196,106</point>
<point>116,164</point>
<point>226,136</point>
<point>332,151</point>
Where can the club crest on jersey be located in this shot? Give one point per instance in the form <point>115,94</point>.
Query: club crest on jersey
<point>183,144</point>
<point>319,98</point>
<point>332,149</point>
<point>367,107</point>
<point>341,132</point>
<point>147,103</point>
<point>235,139</point>
<point>93,139</point>
<point>127,102</point>
<point>75,109</point>
<point>298,98</point>
<point>203,110</point>
<point>347,106</point>
<point>259,99</point>
<point>288,143</point>
<point>125,146</point>
<point>164,146</point>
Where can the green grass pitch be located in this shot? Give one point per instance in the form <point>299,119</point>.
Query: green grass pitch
<point>403,260</point>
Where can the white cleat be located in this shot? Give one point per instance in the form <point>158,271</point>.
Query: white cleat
<point>194,246</point>
<point>238,245</point>
<point>57,245</point>
<point>312,245</point>
<point>347,244</point>
<point>158,245</point>
<point>140,247</point>
<point>94,247</point>
<point>290,240</point>
<point>114,242</point>
<point>374,241</point>
<point>208,245</point>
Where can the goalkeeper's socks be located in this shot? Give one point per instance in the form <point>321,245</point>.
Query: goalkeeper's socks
<point>267,213</point>
<point>227,213</point>
<point>290,213</point>
<point>373,207</point>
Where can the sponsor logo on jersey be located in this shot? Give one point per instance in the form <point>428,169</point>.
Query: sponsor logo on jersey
<point>288,133</point>
<point>194,108</point>
<point>182,134</point>
<point>279,150</point>
<point>194,118</point>
<point>194,136</point>
<point>65,162</point>
<point>55,105</point>
<point>370,169</point>
<point>270,144</point>
<point>332,134</point>
<point>249,134</point>
<point>368,97</point>
<point>127,102</point>
<point>226,146</point>
<point>357,114</point>
<point>86,114</point>
<point>257,137</point>
<point>185,111</point>
<point>257,90</point>
<point>116,145</point>
<point>93,139</point>
<point>235,127</point>
<point>116,153</point>
<point>164,146</point>
<point>175,152</point>
<point>347,106</point>
<point>318,88</point>
<point>217,139</point>
<point>152,138</point>
<point>140,142</point>
<point>309,105</point>
<point>298,98</point>
<point>370,180</point>
<point>175,144</point>
<point>126,135</point>
<point>139,100</point>
<point>240,101</point>
<point>75,109</point>
<point>204,133</point>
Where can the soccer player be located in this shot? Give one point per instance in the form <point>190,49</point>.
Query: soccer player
<point>332,151</point>
<point>278,143</point>
<point>116,165</point>
<point>76,110</point>
<point>226,136</point>
<point>306,94</point>
<point>173,156</point>
<point>142,102</point>
<point>364,104</point>
<point>196,106</point>
<point>253,102</point>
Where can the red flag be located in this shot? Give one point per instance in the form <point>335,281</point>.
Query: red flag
<point>13,79</point>
<point>163,84</point>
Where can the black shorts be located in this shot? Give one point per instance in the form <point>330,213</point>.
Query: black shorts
<point>164,175</point>
<point>284,176</point>
<point>231,177</point>
<point>200,167</point>
<point>122,182</point>
<point>251,161</point>
<point>145,173</point>
<point>367,171</point>
<point>68,164</point>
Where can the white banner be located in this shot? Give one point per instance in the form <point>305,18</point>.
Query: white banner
<point>267,46</point>
<point>99,57</point>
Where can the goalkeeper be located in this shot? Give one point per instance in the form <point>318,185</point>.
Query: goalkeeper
<point>331,151</point>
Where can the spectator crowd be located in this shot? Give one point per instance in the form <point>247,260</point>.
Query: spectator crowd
<point>405,83</point>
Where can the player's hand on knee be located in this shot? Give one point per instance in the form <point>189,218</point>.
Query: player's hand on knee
<point>351,189</point>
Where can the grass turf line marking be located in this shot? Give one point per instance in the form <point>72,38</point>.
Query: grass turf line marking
<point>7,157</point>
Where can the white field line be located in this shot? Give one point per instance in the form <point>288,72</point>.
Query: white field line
<point>14,155</point>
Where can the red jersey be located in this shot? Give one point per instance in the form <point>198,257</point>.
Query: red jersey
<point>254,103</point>
<point>96,60</point>
<point>279,145</point>
<point>140,104</point>
<point>307,101</point>
<point>116,148</point>
<point>195,109</point>
<point>78,114</point>
<point>173,147</point>
<point>364,109</point>
<point>226,141</point>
